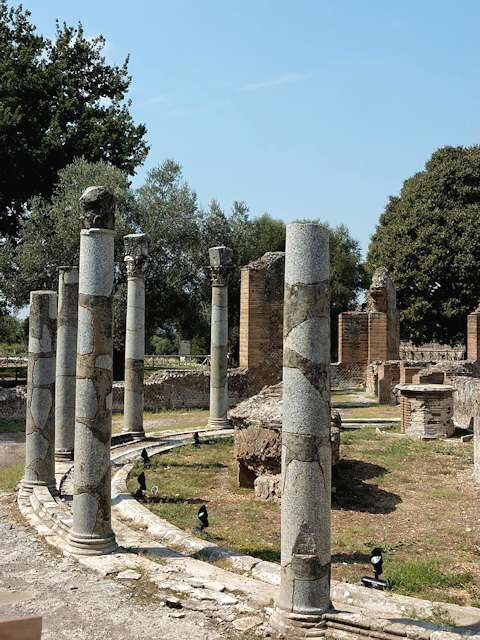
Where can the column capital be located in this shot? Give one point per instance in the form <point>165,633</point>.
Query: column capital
<point>97,208</point>
<point>220,264</point>
<point>136,253</point>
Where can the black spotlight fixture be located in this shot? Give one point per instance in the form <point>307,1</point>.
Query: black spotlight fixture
<point>196,439</point>
<point>376,560</point>
<point>142,486</point>
<point>145,457</point>
<point>202,516</point>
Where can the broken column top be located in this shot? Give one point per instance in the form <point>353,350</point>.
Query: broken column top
<point>97,208</point>
<point>137,245</point>
<point>220,256</point>
<point>382,295</point>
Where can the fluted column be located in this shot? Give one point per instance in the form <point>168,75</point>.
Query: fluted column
<point>40,417</point>
<point>306,451</point>
<point>136,257</point>
<point>66,362</point>
<point>91,532</point>
<point>220,264</point>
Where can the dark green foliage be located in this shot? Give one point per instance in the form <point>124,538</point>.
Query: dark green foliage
<point>59,100</point>
<point>429,240</point>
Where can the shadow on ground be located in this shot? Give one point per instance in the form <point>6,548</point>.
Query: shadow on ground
<point>354,494</point>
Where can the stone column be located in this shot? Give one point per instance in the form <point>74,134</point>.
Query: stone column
<point>66,363</point>
<point>220,263</point>
<point>136,256</point>
<point>40,419</point>
<point>306,451</point>
<point>91,532</point>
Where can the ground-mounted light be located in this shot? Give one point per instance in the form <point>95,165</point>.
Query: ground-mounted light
<point>376,560</point>
<point>202,516</point>
<point>145,457</point>
<point>142,486</point>
<point>196,439</point>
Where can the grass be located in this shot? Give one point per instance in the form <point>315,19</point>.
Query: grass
<point>166,420</point>
<point>414,499</point>
<point>12,427</point>
<point>10,476</point>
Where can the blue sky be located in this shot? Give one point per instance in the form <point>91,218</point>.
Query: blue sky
<point>302,109</point>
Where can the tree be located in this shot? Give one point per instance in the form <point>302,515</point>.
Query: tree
<point>50,234</point>
<point>429,239</point>
<point>59,100</point>
<point>166,208</point>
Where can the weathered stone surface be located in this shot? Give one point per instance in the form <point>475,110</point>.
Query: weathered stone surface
<point>426,410</point>
<point>261,319</point>
<point>91,532</point>
<point>220,262</point>
<point>247,623</point>
<point>66,362</point>
<point>40,415</point>
<point>136,257</point>
<point>306,451</point>
<point>258,436</point>
<point>268,487</point>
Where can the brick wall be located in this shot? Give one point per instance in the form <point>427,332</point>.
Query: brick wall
<point>473,336</point>
<point>353,337</point>
<point>347,376</point>
<point>377,336</point>
<point>427,414</point>
<point>388,378</point>
<point>261,318</point>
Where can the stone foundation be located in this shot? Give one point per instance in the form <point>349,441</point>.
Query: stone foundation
<point>426,410</point>
<point>258,435</point>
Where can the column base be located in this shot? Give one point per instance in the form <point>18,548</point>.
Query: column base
<point>63,455</point>
<point>27,487</point>
<point>134,435</point>
<point>297,626</point>
<point>219,423</point>
<point>88,546</point>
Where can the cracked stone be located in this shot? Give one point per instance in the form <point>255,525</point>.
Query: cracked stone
<point>246,624</point>
<point>129,575</point>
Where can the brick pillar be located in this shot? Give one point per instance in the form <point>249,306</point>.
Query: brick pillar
<point>377,336</point>
<point>473,336</point>
<point>252,317</point>
<point>353,337</point>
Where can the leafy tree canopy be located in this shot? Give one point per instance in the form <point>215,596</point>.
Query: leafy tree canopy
<point>59,100</point>
<point>177,281</point>
<point>429,240</point>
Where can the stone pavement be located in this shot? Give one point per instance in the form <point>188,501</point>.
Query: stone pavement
<point>79,604</point>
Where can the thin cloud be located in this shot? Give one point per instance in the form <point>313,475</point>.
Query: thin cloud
<point>286,78</point>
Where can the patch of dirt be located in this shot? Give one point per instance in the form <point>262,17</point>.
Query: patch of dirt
<point>75,603</point>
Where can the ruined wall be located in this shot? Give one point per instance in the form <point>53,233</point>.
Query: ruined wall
<point>261,315</point>
<point>372,335</point>
<point>353,337</point>
<point>13,403</point>
<point>347,376</point>
<point>189,389</point>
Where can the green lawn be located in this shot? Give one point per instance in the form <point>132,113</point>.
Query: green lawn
<point>414,499</point>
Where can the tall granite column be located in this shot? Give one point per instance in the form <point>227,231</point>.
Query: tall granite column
<point>40,419</point>
<point>91,532</point>
<point>136,256</point>
<point>66,363</point>
<point>306,451</point>
<point>220,263</point>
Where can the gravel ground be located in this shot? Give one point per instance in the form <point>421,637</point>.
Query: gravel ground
<point>75,603</point>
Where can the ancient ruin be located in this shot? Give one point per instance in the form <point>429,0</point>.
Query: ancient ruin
<point>258,430</point>
<point>304,594</point>
<point>427,410</point>
<point>136,257</point>
<point>91,531</point>
<point>261,318</point>
<point>220,264</point>
<point>65,379</point>
<point>40,421</point>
